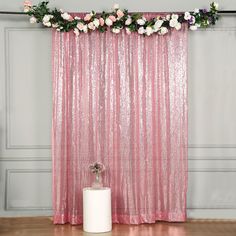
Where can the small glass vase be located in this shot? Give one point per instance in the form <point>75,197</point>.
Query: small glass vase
<point>98,181</point>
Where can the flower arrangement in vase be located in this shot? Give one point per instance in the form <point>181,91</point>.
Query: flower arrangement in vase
<point>97,168</point>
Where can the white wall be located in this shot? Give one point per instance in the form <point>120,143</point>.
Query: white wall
<point>25,110</point>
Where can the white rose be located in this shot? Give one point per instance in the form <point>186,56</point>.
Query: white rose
<point>33,20</point>
<point>173,23</point>
<point>128,21</point>
<point>77,18</point>
<point>196,10</point>
<point>66,16</point>
<point>187,16</point>
<point>55,25</point>
<point>216,5</point>
<point>167,17</point>
<point>163,31</point>
<point>128,31</point>
<point>48,24</point>
<point>149,31</point>
<point>141,30</point>
<point>85,28</point>
<point>178,26</point>
<point>26,9</point>
<point>174,17</point>
<point>116,30</point>
<point>158,25</point>
<point>116,6</point>
<point>47,18</point>
<point>193,27</point>
<point>141,21</point>
<point>108,22</point>
<point>76,31</point>
<point>96,22</point>
<point>91,26</point>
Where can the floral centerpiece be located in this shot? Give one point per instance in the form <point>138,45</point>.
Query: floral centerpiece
<point>97,168</point>
<point>119,19</point>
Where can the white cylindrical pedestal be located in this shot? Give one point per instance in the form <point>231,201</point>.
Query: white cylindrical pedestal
<point>97,210</point>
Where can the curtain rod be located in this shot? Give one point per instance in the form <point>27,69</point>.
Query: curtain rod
<point>23,13</point>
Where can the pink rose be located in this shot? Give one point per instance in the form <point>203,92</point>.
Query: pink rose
<point>70,18</point>
<point>28,3</point>
<point>80,26</point>
<point>112,18</point>
<point>27,6</point>
<point>87,17</point>
<point>101,20</point>
<point>120,13</point>
<point>91,26</point>
<point>67,16</point>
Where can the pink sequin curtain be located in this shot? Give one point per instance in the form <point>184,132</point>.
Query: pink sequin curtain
<point>121,100</point>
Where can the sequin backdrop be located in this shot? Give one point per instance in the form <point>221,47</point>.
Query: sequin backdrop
<point>122,100</point>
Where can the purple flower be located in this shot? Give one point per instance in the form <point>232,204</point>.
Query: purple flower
<point>204,10</point>
<point>192,20</point>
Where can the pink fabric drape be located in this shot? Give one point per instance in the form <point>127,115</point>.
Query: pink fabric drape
<point>121,100</point>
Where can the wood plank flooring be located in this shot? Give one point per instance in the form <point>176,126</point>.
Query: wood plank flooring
<point>42,226</point>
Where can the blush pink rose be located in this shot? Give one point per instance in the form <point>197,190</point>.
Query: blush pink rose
<point>91,26</point>
<point>70,18</point>
<point>120,13</point>
<point>112,18</point>
<point>80,26</point>
<point>87,17</point>
<point>101,21</point>
<point>28,3</point>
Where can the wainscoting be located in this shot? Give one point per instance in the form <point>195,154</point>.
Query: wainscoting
<point>25,115</point>
<point>25,120</point>
<point>212,126</point>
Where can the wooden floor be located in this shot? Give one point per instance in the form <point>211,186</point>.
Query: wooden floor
<point>38,226</point>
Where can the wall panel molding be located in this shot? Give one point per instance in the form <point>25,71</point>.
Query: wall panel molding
<point>212,170</point>
<point>211,158</point>
<point>222,26</point>
<point>217,206</point>
<point>218,28</point>
<point>25,158</point>
<point>8,82</point>
<point>212,146</point>
<point>9,172</point>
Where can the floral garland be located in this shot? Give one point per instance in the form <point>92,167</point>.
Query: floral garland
<point>119,19</point>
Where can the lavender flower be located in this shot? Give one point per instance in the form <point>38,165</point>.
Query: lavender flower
<point>192,20</point>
